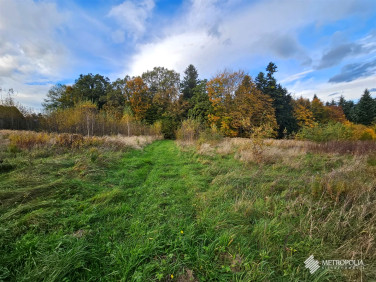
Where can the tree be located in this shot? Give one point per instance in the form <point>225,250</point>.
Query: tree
<point>282,101</point>
<point>347,107</point>
<point>127,119</point>
<point>365,110</point>
<point>88,111</point>
<point>91,88</point>
<point>114,101</point>
<point>190,82</point>
<point>138,97</point>
<point>320,113</point>
<point>252,109</point>
<point>58,97</point>
<point>303,113</point>
<point>221,91</point>
<point>335,113</point>
<point>201,106</point>
<point>163,85</point>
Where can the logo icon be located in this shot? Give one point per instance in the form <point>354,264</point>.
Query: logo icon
<point>312,264</point>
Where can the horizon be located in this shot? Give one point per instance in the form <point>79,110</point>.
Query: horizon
<point>323,48</point>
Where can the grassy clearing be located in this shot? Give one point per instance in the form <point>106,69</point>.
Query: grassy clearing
<point>163,213</point>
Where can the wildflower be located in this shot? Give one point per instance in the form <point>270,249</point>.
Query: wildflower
<point>172,276</point>
<point>182,232</point>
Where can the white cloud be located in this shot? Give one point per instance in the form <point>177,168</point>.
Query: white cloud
<point>29,31</point>
<point>324,90</point>
<point>131,16</point>
<point>296,76</point>
<point>214,35</point>
<point>217,34</point>
<point>29,47</point>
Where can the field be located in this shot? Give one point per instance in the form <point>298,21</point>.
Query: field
<point>173,211</point>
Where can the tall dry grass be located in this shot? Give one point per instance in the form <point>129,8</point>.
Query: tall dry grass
<point>29,140</point>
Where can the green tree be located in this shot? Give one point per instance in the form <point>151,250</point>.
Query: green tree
<point>189,83</point>
<point>282,101</point>
<point>91,88</point>
<point>201,106</point>
<point>365,110</point>
<point>58,97</point>
<point>348,108</point>
<point>163,87</point>
<point>115,98</point>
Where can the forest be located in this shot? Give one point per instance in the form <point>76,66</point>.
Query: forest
<point>232,103</point>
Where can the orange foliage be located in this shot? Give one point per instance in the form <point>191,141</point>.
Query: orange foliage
<point>336,113</point>
<point>303,113</point>
<point>137,92</point>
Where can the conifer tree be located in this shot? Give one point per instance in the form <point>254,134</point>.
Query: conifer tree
<point>365,110</point>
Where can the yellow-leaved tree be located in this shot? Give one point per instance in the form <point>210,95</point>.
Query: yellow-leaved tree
<point>137,96</point>
<point>303,113</point>
<point>238,106</point>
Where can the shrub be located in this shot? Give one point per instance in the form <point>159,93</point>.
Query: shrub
<point>189,130</point>
<point>325,132</point>
<point>70,140</point>
<point>210,135</point>
<point>336,131</point>
<point>343,147</point>
<point>168,127</point>
<point>28,140</point>
<point>156,128</point>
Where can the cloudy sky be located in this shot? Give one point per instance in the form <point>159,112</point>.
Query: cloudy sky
<point>320,46</point>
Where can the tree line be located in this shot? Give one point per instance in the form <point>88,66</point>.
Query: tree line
<point>159,101</point>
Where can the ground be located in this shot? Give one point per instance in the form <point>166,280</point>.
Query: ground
<point>161,213</point>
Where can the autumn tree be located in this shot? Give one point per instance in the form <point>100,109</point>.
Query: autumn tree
<point>127,119</point>
<point>319,111</point>
<point>252,109</point>
<point>303,113</point>
<point>221,91</point>
<point>138,96</point>
<point>336,114</point>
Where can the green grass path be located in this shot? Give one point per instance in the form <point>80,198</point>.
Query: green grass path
<point>156,214</point>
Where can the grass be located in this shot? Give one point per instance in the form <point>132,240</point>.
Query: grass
<point>164,213</point>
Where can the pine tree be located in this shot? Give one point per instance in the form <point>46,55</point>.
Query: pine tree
<point>365,110</point>
<point>282,101</point>
<point>190,81</point>
<point>347,107</point>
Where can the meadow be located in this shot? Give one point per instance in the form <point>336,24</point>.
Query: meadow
<point>145,209</point>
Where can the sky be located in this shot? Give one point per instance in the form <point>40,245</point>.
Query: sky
<point>321,47</point>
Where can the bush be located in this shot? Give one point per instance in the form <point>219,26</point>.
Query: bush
<point>189,130</point>
<point>336,132</point>
<point>28,140</point>
<point>168,127</point>
<point>210,135</point>
<point>70,140</point>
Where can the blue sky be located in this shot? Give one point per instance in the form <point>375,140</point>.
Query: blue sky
<point>321,47</point>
